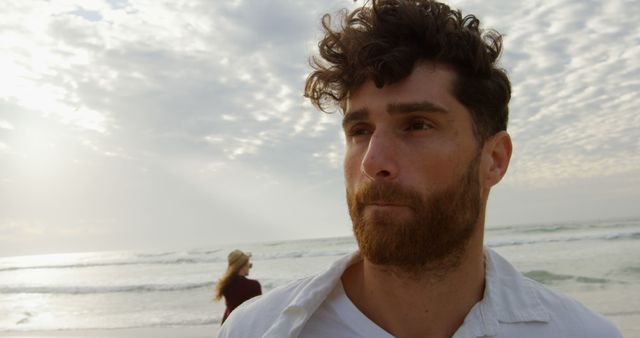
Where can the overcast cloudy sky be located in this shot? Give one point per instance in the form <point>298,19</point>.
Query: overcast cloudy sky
<point>129,124</point>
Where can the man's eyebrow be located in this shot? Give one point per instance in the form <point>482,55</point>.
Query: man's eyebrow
<point>356,115</point>
<point>395,108</point>
<point>412,107</point>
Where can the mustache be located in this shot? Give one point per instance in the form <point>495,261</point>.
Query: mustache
<point>376,192</point>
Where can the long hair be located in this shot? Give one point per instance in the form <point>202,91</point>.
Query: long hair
<point>384,40</point>
<point>237,259</point>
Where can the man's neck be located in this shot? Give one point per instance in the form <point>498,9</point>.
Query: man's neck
<point>429,305</point>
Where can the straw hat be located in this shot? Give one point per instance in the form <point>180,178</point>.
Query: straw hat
<point>238,259</point>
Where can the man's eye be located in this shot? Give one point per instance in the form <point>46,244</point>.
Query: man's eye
<point>358,131</point>
<point>419,125</point>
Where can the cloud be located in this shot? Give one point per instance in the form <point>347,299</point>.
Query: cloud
<point>187,117</point>
<point>574,86</point>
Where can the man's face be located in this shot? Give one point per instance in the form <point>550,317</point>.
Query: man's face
<point>411,170</point>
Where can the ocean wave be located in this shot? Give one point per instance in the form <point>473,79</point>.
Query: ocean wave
<point>333,241</point>
<point>111,326</point>
<point>181,260</point>
<point>83,290</point>
<point>266,283</point>
<point>213,256</point>
<point>302,253</point>
<point>622,313</point>
<point>567,226</point>
<point>553,228</point>
<point>546,277</point>
<point>119,263</point>
<point>158,254</point>
<point>204,252</point>
<point>527,241</point>
<point>631,270</point>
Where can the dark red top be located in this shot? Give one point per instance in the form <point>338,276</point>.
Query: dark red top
<point>238,291</point>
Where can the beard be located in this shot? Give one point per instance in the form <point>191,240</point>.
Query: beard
<point>433,238</point>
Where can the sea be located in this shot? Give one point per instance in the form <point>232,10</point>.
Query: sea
<point>597,262</point>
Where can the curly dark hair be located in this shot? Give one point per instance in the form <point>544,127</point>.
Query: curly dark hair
<point>384,40</point>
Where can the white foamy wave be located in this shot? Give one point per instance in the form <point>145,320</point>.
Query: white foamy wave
<point>566,226</point>
<point>269,284</point>
<point>80,290</point>
<point>176,261</point>
<point>197,258</point>
<point>607,236</point>
<point>210,320</point>
<point>302,253</point>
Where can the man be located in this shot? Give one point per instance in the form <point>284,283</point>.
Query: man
<point>425,116</point>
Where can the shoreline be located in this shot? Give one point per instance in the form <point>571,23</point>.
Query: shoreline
<point>201,331</point>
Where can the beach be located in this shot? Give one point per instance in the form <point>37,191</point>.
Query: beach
<point>204,331</point>
<point>169,293</point>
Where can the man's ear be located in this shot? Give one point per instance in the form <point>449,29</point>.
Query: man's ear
<point>497,152</point>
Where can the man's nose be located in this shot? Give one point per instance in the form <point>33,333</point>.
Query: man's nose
<point>380,160</point>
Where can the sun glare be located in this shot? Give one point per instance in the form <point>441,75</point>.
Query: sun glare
<point>37,151</point>
<point>35,77</point>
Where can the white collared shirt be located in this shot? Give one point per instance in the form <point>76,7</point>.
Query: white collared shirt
<point>337,316</point>
<point>512,306</point>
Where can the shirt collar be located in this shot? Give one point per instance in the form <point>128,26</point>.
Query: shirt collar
<point>309,298</point>
<point>508,296</point>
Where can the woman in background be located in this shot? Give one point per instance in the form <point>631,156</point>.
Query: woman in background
<point>234,285</point>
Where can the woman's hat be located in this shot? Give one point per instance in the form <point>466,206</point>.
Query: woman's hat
<point>238,258</point>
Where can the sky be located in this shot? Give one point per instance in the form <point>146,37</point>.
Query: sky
<point>129,124</point>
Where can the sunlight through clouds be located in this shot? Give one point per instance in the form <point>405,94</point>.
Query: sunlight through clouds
<point>188,117</point>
